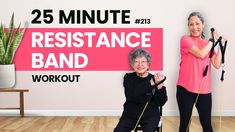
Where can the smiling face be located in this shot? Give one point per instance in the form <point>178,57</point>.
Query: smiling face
<point>195,27</point>
<point>140,65</point>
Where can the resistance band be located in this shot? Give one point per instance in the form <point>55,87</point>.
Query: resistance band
<point>222,48</point>
<point>146,104</point>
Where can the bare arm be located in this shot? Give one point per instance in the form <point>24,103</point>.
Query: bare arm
<point>216,60</point>
<point>201,53</point>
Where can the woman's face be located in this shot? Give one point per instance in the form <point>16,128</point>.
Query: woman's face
<point>140,65</point>
<point>195,26</point>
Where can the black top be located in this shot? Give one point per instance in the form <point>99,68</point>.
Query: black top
<point>137,91</point>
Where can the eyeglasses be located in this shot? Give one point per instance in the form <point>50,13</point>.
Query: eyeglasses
<point>140,62</point>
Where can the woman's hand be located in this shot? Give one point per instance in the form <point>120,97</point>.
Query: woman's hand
<point>216,59</point>
<point>158,77</point>
<point>224,38</point>
<point>216,35</point>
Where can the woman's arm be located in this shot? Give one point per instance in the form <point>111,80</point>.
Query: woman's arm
<point>216,59</point>
<point>160,96</point>
<point>201,53</point>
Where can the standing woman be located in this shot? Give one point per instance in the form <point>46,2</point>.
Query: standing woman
<point>195,52</point>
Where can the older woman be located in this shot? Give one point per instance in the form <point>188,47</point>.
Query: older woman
<point>139,85</point>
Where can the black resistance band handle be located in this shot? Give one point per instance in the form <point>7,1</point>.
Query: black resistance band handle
<point>222,76</point>
<point>163,80</point>
<point>149,95</point>
<point>212,40</point>
<point>205,71</point>
<point>223,48</point>
<point>212,35</point>
<point>213,45</point>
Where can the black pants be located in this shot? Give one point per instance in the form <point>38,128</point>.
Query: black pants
<point>185,100</point>
<point>126,124</point>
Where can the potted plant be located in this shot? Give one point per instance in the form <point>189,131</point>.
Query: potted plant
<point>10,40</point>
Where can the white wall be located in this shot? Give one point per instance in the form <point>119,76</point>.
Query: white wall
<point>101,92</point>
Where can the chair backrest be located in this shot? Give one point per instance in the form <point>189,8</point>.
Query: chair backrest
<point>159,128</point>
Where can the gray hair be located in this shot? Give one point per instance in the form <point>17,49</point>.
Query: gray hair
<point>138,52</point>
<point>199,15</point>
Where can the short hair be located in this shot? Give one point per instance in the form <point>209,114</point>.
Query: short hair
<point>138,52</point>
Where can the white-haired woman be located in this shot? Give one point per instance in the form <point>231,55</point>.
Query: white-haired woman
<point>139,87</point>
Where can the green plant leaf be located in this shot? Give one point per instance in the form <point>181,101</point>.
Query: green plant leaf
<point>10,31</point>
<point>3,36</point>
<point>1,31</point>
<point>11,49</point>
<point>4,39</point>
<point>2,52</point>
<point>10,41</point>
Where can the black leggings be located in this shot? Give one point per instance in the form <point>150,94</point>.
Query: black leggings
<point>185,100</point>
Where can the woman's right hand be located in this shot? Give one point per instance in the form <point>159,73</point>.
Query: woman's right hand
<point>158,77</point>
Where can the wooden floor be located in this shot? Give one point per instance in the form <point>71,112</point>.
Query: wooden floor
<point>96,124</point>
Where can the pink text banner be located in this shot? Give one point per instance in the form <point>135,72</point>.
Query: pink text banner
<point>86,49</point>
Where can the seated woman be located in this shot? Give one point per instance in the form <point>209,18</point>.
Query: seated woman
<point>139,88</point>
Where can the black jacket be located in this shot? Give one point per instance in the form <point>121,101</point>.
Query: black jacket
<point>137,91</point>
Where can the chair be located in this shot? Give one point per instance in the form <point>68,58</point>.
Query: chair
<point>159,128</point>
